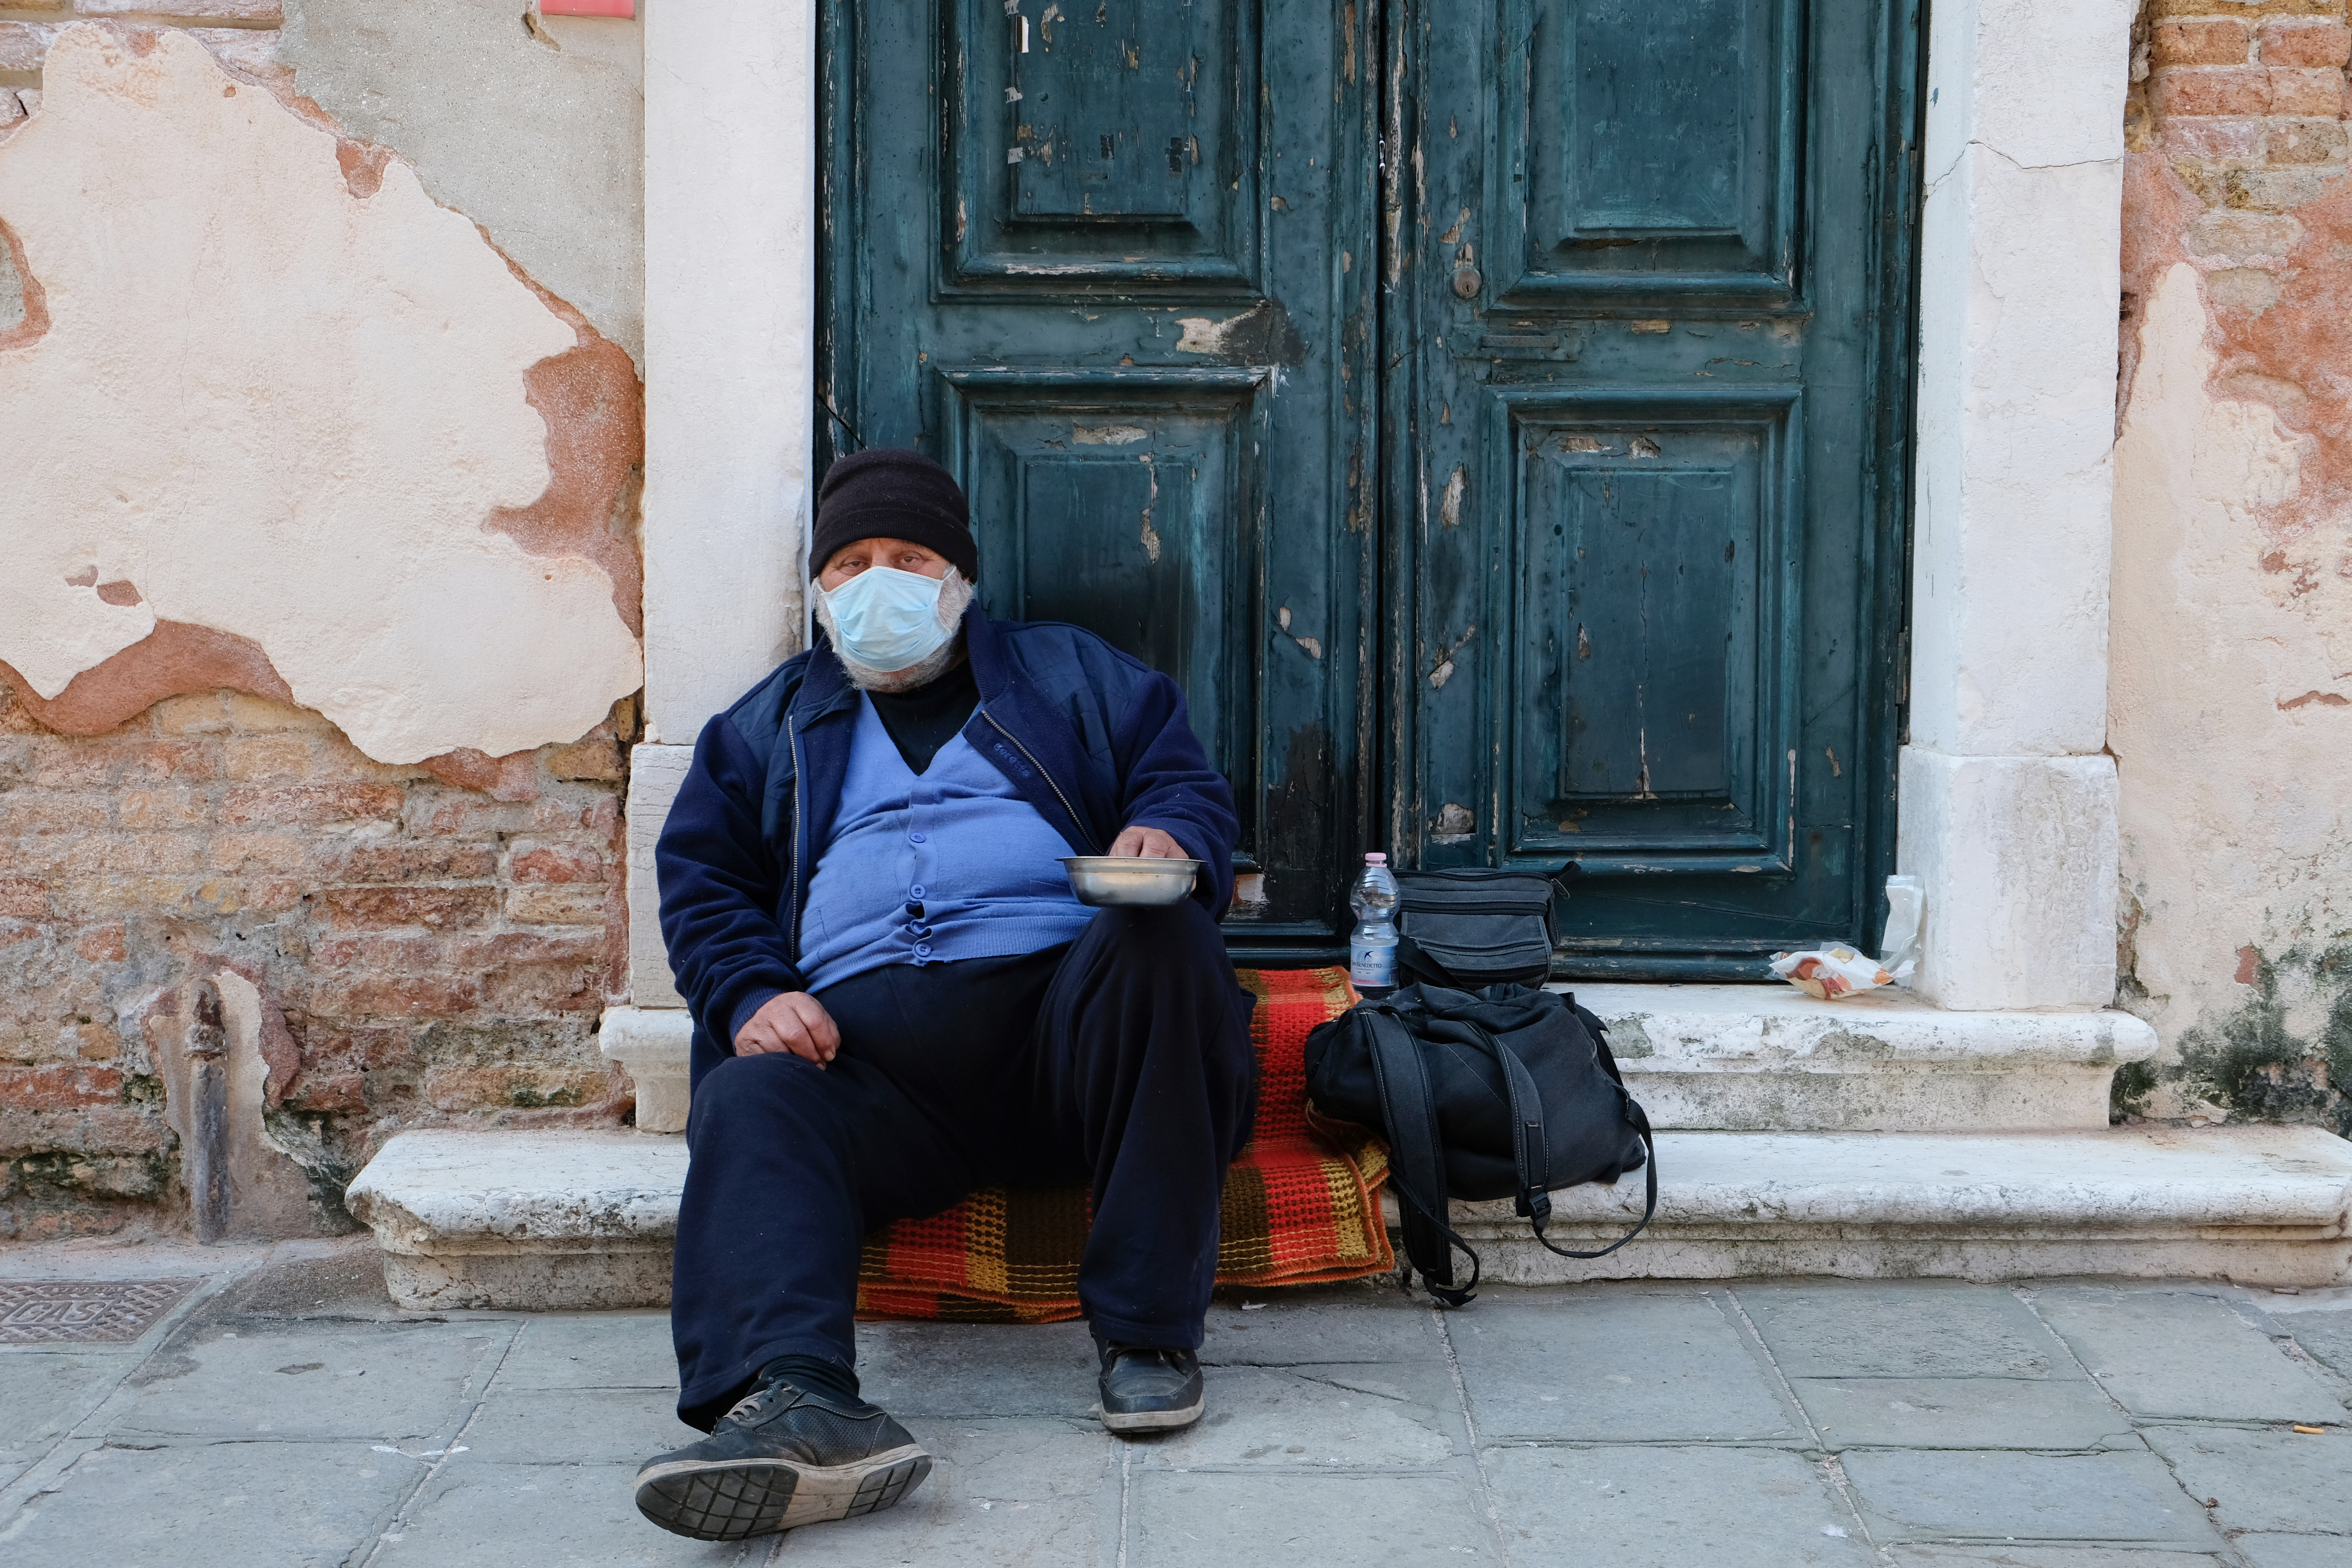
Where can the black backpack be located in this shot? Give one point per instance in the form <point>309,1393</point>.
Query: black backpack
<point>1474,927</point>
<point>1504,1092</point>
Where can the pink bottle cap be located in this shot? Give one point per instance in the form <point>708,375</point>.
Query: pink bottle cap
<point>1376,860</point>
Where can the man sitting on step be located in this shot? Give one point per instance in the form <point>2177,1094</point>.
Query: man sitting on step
<point>897,999</point>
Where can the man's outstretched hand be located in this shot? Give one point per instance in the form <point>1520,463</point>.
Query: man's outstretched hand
<point>1149,843</point>
<point>795,1022</point>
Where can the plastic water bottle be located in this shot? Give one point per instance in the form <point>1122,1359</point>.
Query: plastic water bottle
<point>1371,949</point>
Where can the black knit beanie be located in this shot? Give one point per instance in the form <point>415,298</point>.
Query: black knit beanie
<point>885,493</point>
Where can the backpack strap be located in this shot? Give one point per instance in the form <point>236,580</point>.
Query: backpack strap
<point>1531,1154</point>
<point>1416,1166</point>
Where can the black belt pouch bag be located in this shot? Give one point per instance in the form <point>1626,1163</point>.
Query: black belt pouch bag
<point>1472,928</point>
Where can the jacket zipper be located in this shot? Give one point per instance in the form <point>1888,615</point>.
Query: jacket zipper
<point>1042,775</point>
<point>799,790</point>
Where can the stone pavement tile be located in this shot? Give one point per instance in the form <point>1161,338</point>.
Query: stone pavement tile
<point>977,1369</point>
<point>2045,1557</point>
<point>576,1426</point>
<point>1220,1519</point>
<point>286,1505</point>
<point>1342,1323</point>
<point>1040,1493</point>
<point>2265,1480</point>
<point>1615,1366</point>
<point>41,1392</point>
<point>1963,1413</point>
<point>1920,1328</point>
<point>294,1379</point>
<point>2108,1498</point>
<point>473,1513</point>
<point>2296,1550</point>
<point>2326,1336</point>
<point>1387,1414</point>
<point>591,1350</point>
<point>125,1258</point>
<point>1716,1508</point>
<point>338,1278</point>
<point>2183,1354</point>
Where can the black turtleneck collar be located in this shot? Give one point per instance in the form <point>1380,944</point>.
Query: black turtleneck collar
<point>922,720</point>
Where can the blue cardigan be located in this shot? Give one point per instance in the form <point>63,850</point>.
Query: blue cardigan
<point>1095,740</point>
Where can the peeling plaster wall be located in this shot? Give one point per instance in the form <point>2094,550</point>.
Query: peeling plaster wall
<point>320,506</point>
<point>2231,640</point>
<point>276,392</point>
<point>529,125</point>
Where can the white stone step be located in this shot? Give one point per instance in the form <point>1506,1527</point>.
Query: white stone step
<point>1730,1059</point>
<point>656,1045</point>
<point>2270,1205</point>
<point>579,1220</point>
<point>569,1218</point>
<point>1772,1059</point>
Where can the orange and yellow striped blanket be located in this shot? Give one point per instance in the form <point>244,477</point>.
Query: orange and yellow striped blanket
<point>1300,1204</point>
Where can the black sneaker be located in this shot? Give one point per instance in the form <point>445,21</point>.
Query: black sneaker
<point>1147,1390</point>
<point>782,1459</point>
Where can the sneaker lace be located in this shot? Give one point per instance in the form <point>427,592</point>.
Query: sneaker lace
<point>751,1403</point>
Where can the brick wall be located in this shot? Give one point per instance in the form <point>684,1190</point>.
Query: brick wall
<point>439,954</point>
<point>2246,102</point>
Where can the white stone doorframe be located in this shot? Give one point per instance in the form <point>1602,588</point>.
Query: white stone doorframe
<point>2007,795</point>
<point>2007,792</point>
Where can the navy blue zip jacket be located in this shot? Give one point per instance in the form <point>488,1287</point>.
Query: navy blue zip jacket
<point>1095,740</point>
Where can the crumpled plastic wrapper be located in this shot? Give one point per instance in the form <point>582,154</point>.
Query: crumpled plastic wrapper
<point>1898,951</point>
<point>1823,972</point>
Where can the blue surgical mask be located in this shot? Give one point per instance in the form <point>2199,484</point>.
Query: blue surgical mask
<point>888,619</point>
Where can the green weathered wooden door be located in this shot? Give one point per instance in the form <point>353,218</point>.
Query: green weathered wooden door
<point>1648,334</point>
<point>1493,415</point>
<point>1111,261</point>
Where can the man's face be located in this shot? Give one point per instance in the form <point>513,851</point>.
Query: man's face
<point>851,559</point>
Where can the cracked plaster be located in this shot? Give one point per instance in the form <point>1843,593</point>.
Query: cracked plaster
<point>2233,628</point>
<point>531,126</point>
<point>292,427</point>
<point>2035,83</point>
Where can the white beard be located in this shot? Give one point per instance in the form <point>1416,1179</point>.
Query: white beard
<point>955,595</point>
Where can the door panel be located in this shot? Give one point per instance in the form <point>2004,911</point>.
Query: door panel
<point>1116,147</point>
<point>1648,147</point>
<point>1647,371</point>
<point>1122,508</point>
<point>1114,266</point>
<point>1646,707</point>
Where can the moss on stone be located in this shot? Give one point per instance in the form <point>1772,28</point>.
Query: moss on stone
<point>2257,1065</point>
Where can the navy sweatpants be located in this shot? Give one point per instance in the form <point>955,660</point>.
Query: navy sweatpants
<point>1121,1060</point>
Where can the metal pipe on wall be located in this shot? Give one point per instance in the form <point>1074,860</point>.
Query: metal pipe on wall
<point>205,1160</point>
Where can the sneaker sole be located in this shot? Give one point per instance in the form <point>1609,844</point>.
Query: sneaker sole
<point>729,1501</point>
<point>1153,1420</point>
